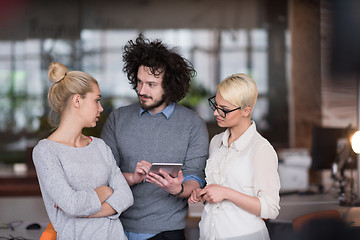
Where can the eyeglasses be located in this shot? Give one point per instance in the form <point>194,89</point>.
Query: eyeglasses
<point>222,112</point>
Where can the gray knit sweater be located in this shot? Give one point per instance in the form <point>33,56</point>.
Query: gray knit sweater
<point>182,138</point>
<point>68,177</point>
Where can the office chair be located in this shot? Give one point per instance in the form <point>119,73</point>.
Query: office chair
<point>300,222</point>
<point>49,233</point>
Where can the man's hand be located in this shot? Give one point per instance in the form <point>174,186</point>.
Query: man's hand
<point>166,182</point>
<point>139,174</point>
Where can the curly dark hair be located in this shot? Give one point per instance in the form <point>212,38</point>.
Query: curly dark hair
<point>178,71</point>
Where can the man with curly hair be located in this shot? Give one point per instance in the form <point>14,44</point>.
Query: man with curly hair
<point>157,129</point>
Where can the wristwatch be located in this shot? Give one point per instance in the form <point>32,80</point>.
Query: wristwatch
<point>181,191</point>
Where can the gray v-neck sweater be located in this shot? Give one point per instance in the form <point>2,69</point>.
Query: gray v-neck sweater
<point>132,137</point>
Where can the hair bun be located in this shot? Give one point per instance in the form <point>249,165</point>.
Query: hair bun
<point>57,71</point>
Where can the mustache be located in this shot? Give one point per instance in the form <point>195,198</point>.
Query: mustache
<point>145,96</point>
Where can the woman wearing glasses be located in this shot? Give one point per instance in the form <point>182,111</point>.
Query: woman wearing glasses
<point>241,172</point>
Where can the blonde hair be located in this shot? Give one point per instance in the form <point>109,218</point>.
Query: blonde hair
<point>239,89</point>
<point>65,85</point>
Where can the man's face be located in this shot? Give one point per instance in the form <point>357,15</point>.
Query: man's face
<point>150,91</point>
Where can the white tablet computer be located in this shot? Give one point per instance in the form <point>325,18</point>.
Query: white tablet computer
<point>171,168</point>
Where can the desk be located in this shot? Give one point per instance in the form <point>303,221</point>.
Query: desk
<point>295,205</point>
<point>26,209</point>
<point>30,209</point>
<point>12,184</point>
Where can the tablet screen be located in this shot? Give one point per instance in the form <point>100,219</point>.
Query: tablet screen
<point>171,168</point>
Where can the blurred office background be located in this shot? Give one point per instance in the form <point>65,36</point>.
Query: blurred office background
<point>301,53</point>
<point>219,38</point>
<point>284,45</point>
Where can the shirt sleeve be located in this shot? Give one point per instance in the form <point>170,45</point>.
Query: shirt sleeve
<point>53,181</point>
<point>122,197</point>
<point>108,135</point>
<point>201,181</point>
<point>267,182</point>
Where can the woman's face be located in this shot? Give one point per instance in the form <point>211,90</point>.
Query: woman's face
<point>91,107</point>
<point>232,118</point>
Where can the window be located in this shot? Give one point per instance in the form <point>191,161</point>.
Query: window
<point>215,55</point>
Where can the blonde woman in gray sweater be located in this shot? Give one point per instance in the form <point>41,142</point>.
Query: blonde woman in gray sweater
<point>83,189</point>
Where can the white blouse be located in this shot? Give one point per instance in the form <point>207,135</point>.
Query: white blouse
<point>248,166</point>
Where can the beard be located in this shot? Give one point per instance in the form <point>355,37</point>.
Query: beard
<point>153,105</point>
